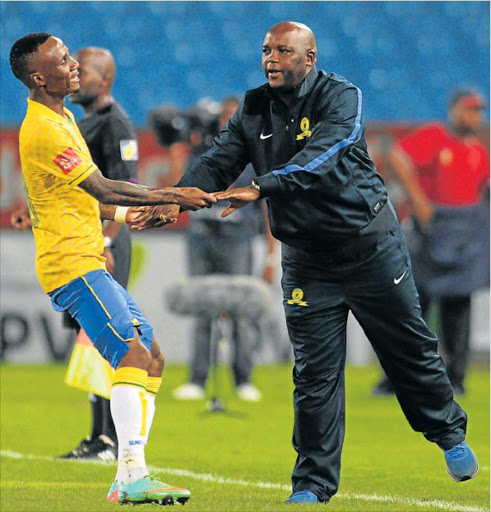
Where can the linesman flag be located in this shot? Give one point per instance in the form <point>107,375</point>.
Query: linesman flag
<point>87,369</point>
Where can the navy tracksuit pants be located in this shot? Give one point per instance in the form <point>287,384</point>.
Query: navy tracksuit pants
<point>376,283</point>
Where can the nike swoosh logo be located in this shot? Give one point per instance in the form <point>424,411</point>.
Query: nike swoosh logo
<point>397,281</point>
<point>262,136</point>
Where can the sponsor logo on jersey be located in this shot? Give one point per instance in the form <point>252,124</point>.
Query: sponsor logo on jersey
<point>297,296</point>
<point>305,127</point>
<point>129,150</point>
<point>67,161</point>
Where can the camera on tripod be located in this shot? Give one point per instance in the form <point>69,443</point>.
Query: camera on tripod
<point>197,125</point>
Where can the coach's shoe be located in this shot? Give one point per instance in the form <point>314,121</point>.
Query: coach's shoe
<point>461,462</point>
<point>304,496</point>
<point>150,490</point>
<point>113,493</point>
<point>189,391</point>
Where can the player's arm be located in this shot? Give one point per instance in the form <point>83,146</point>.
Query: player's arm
<point>130,194</point>
<point>405,172</point>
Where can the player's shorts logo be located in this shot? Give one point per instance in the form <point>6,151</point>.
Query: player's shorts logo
<point>67,161</point>
<point>297,296</point>
<point>129,150</point>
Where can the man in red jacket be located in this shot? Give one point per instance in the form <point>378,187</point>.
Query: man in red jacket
<point>444,171</point>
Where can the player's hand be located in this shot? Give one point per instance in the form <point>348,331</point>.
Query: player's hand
<point>237,197</point>
<point>20,219</point>
<point>108,254</point>
<point>151,217</point>
<point>192,198</point>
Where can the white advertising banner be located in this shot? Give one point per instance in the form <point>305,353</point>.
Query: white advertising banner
<point>32,332</point>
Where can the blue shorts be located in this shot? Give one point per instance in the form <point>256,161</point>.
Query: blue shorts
<point>105,311</point>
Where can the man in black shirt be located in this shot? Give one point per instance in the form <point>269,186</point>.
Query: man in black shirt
<point>111,139</point>
<point>342,250</point>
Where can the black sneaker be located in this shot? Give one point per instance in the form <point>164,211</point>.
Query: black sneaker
<point>80,451</point>
<point>100,448</point>
<point>104,448</point>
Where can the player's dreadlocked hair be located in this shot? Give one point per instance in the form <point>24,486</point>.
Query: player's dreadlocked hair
<point>21,53</point>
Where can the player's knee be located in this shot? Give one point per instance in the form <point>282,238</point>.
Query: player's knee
<point>137,356</point>
<point>158,359</point>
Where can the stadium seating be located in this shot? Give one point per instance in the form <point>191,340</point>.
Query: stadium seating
<point>405,56</point>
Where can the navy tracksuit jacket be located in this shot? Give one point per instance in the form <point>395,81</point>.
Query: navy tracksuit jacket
<point>342,250</point>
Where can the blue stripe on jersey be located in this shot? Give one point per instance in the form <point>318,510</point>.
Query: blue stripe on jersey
<point>311,166</point>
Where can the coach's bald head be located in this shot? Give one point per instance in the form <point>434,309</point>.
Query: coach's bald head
<point>289,54</point>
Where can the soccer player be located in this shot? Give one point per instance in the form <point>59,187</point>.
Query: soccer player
<point>63,185</point>
<point>111,139</point>
<point>342,250</point>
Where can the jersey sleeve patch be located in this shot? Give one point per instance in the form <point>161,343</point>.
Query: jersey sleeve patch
<point>68,160</point>
<point>129,150</point>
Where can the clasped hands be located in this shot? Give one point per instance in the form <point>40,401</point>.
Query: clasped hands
<point>154,217</point>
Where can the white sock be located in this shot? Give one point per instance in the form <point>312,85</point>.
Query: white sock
<point>153,386</point>
<point>150,414</point>
<point>129,412</point>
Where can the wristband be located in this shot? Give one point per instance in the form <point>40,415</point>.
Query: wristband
<point>108,241</point>
<point>120,214</point>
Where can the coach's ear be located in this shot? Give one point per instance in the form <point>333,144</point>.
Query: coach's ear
<point>38,79</point>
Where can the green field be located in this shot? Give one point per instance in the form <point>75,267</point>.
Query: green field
<point>238,460</point>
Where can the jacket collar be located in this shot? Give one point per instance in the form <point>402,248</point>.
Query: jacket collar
<point>299,91</point>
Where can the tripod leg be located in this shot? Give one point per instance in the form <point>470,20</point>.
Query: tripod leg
<point>217,332</point>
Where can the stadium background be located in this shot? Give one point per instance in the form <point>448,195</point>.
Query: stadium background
<point>405,56</point>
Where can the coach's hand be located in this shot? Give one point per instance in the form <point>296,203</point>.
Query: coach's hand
<point>151,217</point>
<point>237,197</point>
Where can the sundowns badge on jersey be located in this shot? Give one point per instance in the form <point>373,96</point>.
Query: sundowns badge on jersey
<point>297,296</point>
<point>304,126</point>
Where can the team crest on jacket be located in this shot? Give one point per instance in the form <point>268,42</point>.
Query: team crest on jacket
<point>297,296</point>
<point>305,127</point>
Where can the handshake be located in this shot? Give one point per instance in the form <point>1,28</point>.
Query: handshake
<point>154,217</point>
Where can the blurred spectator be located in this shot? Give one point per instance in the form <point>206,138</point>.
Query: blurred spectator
<point>215,245</point>
<point>444,171</point>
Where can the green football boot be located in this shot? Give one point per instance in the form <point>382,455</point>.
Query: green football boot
<point>113,493</point>
<point>149,490</point>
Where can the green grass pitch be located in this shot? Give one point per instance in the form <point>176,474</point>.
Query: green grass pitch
<point>239,460</point>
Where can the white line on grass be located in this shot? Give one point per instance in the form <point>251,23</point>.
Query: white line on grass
<point>206,477</point>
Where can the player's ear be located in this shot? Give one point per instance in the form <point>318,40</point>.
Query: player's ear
<point>38,79</point>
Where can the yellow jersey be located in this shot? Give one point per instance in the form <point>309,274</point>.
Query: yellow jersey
<point>65,219</point>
